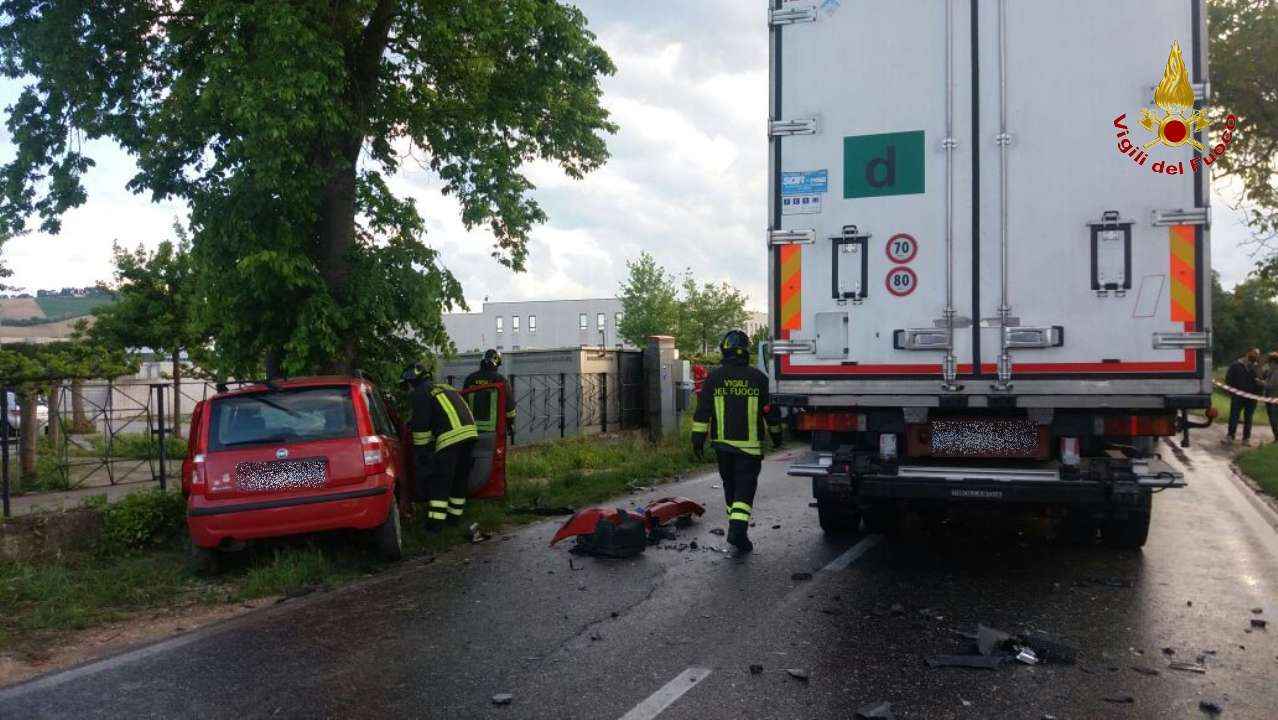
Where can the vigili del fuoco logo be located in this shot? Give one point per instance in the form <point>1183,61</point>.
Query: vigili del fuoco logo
<point>1177,125</point>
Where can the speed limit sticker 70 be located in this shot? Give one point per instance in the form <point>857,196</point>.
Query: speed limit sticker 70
<point>901,281</point>
<point>901,248</point>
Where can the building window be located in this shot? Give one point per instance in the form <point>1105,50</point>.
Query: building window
<point>599,320</point>
<point>514,323</point>
<point>532,323</point>
<point>616,320</point>
<point>499,323</point>
<point>582,322</point>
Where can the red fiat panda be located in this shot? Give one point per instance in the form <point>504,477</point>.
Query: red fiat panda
<point>295,456</point>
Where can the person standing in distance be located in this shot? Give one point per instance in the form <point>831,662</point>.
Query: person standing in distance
<point>443,443</point>
<point>732,409</point>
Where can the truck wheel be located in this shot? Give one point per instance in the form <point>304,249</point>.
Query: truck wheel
<point>1130,532</point>
<point>837,520</point>
<point>202,561</point>
<point>882,519</point>
<point>390,535</point>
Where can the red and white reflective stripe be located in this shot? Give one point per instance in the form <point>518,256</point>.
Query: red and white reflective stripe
<point>1245,394</point>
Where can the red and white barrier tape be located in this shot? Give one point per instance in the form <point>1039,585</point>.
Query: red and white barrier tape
<point>1244,394</point>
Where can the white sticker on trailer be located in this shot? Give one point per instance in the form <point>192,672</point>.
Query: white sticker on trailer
<point>801,205</point>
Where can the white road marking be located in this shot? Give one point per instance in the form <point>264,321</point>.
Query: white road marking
<point>668,694</point>
<point>853,553</point>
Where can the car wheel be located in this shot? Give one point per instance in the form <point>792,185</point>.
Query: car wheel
<point>837,519</point>
<point>203,561</point>
<point>390,535</point>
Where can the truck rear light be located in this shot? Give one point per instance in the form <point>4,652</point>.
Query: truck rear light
<point>887,446</point>
<point>375,460</point>
<point>1069,451</point>
<point>1139,425</point>
<point>832,421</point>
<point>197,473</point>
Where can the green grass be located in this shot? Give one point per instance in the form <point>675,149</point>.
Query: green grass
<point>41,603</point>
<point>62,308</point>
<point>1220,401</point>
<point>1261,465</point>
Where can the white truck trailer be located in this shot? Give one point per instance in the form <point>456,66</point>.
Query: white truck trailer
<point>989,256</point>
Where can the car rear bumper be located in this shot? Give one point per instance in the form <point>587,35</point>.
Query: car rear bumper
<point>359,507</point>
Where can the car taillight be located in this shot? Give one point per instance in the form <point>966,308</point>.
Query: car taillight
<point>197,473</point>
<point>375,455</point>
<point>1140,425</point>
<point>833,421</point>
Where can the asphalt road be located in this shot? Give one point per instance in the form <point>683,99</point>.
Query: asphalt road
<point>672,634</point>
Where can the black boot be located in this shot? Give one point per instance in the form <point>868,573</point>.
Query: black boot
<point>738,536</point>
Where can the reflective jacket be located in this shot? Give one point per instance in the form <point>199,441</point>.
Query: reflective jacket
<point>733,409</point>
<point>440,417</point>
<point>483,403</point>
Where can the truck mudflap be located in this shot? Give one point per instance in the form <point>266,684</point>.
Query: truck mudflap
<point>1043,484</point>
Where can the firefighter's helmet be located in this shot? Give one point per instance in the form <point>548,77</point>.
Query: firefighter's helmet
<point>416,373</point>
<point>735,344</point>
<point>492,360</point>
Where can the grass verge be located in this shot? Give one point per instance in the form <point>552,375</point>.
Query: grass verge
<point>41,603</point>
<point>1261,465</point>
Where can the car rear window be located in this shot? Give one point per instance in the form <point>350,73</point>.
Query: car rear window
<point>285,416</point>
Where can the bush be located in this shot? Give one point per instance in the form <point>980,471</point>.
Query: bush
<point>143,519</point>
<point>138,446</point>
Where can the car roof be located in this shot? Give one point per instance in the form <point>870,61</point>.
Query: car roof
<point>294,383</point>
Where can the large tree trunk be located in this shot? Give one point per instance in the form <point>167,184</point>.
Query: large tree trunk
<point>337,237</point>
<point>27,438</point>
<point>177,393</point>
<point>55,415</point>
<point>79,420</point>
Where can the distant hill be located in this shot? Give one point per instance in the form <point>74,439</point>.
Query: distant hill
<point>47,308</point>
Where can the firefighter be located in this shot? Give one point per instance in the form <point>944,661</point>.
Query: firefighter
<point>443,442</point>
<point>483,403</point>
<point>733,408</point>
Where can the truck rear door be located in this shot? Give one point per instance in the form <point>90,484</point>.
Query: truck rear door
<point>872,183</point>
<point>1101,221</point>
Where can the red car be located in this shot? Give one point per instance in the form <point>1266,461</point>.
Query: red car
<point>295,456</point>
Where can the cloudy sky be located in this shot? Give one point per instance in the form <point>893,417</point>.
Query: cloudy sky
<point>686,181</point>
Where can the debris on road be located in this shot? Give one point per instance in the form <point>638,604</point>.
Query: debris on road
<point>1168,651</point>
<point>619,533</point>
<point>1211,706</point>
<point>1050,648</point>
<point>717,531</point>
<point>989,639</point>
<point>1027,656</point>
<point>1146,670</point>
<point>476,536</point>
<point>798,674</point>
<point>1188,667</point>
<point>1258,623</point>
<point>756,669</point>
<point>876,711</point>
<point>801,576</point>
<point>502,698</point>
<point>982,662</point>
<point>1257,611</point>
<point>1120,699</point>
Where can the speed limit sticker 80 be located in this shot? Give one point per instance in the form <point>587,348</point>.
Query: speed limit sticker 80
<point>901,281</point>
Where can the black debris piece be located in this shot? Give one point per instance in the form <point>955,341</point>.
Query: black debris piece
<point>756,669</point>
<point>1258,623</point>
<point>502,698</point>
<point>1188,667</point>
<point>776,527</point>
<point>1169,651</point>
<point>1211,706</point>
<point>1049,648</point>
<point>1189,603</point>
<point>716,531</point>
<point>801,576</point>
<point>798,673</point>
<point>981,662</point>
<point>614,613</point>
<point>693,545</point>
<point>1119,699</point>
<point>1257,611</point>
<point>876,711</point>
<point>1146,670</point>
<point>683,521</point>
<point>989,640</point>
<point>596,636</point>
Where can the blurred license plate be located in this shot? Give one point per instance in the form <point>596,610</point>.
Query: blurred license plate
<point>281,474</point>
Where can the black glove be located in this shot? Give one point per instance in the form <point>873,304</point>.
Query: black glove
<point>699,446</point>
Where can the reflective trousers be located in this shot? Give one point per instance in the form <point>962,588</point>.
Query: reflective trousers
<point>740,475</point>
<point>443,478</point>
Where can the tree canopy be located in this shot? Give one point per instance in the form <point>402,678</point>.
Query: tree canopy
<point>1244,51</point>
<point>706,312</point>
<point>657,302</point>
<point>279,124</point>
<point>649,301</point>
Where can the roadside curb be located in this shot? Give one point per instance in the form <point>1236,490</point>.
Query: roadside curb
<point>1263,503</point>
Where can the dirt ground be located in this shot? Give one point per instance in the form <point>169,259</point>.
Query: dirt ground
<point>98,642</point>
<point>20,309</point>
